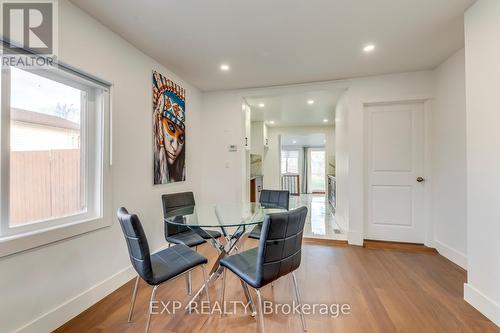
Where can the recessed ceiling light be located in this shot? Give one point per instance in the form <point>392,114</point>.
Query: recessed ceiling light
<point>310,102</point>
<point>261,105</point>
<point>294,142</point>
<point>325,120</point>
<point>271,122</point>
<point>369,48</point>
<point>224,67</point>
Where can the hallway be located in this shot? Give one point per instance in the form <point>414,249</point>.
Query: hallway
<point>321,222</point>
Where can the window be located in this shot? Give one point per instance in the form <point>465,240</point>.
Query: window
<point>290,161</point>
<point>52,149</point>
<point>317,167</point>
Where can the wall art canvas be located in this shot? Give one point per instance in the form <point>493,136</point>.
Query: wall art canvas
<point>169,128</point>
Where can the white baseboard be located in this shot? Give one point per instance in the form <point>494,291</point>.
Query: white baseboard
<point>355,238</point>
<point>451,254</point>
<point>71,308</point>
<point>482,303</point>
<point>76,305</point>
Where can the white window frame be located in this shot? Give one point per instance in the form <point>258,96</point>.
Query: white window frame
<point>309,168</point>
<point>286,163</point>
<point>95,168</point>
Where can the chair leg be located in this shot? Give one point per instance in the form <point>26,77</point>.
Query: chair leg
<point>132,301</point>
<point>223,291</point>
<point>148,319</point>
<point>189,280</point>
<point>205,279</point>
<point>262,328</point>
<point>248,297</point>
<point>297,295</point>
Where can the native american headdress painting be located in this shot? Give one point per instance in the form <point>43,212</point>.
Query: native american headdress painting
<point>169,129</point>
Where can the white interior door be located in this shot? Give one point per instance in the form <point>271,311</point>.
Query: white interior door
<point>395,161</point>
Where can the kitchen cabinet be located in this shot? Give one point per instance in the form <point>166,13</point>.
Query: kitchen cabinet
<point>256,183</point>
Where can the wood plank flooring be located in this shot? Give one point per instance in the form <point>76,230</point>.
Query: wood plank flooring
<point>397,246</point>
<point>388,291</point>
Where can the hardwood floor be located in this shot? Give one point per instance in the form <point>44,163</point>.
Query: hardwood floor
<point>388,291</point>
<point>397,246</point>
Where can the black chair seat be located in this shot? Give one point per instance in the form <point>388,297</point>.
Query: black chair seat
<point>159,267</point>
<point>209,234</point>
<point>278,254</point>
<point>255,234</point>
<point>173,261</point>
<point>188,238</point>
<point>244,265</point>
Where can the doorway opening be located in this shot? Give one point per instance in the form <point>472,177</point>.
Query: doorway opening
<point>290,145</point>
<point>303,169</point>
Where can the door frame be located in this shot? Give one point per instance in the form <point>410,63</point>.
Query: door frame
<point>427,110</point>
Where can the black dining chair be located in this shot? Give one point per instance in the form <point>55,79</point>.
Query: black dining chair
<point>279,253</point>
<point>178,234</point>
<point>271,199</point>
<point>157,268</point>
<point>175,234</point>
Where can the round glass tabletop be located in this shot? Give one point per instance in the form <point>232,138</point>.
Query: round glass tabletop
<point>220,215</point>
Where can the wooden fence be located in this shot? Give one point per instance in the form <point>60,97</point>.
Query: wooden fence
<point>44,184</point>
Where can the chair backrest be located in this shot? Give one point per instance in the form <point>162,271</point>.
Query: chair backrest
<point>138,248</point>
<point>172,202</point>
<point>280,247</point>
<point>275,199</point>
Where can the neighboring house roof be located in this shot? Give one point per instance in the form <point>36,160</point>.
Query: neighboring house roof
<point>38,118</point>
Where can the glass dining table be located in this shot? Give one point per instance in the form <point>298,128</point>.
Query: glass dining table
<point>236,221</point>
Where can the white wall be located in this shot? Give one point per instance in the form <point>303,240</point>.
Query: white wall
<point>482,54</point>
<point>448,211</point>
<point>271,163</point>
<point>226,171</point>
<point>376,89</point>
<point>342,161</point>
<point>45,287</point>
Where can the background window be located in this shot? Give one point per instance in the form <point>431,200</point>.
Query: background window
<point>52,146</point>
<point>317,168</point>
<point>46,153</point>
<point>290,161</point>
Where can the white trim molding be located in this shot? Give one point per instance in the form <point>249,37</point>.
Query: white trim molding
<point>355,238</point>
<point>482,303</point>
<point>451,254</point>
<point>66,311</point>
<point>76,305</point>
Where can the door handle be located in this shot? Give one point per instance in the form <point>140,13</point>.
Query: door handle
<point>420,179</point>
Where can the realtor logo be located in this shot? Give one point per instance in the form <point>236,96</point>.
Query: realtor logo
<point>28,26</point>
<point>29,33</point>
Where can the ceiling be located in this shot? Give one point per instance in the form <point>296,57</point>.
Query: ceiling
<point>286,41</point>
<point>311,140</point>
<point>292,109</point>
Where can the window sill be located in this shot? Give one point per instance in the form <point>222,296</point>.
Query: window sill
<point>22,242</point>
